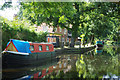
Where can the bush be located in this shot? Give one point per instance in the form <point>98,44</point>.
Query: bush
<point>20,33</point>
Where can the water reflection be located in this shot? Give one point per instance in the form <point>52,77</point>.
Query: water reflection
<point>64,64</point>
<point>99,50</point>
<point>99,65</point>
<point>104,64</point>
<point>28,70</point>
<point>95,65</point>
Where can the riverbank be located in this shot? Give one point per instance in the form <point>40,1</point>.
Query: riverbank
<point>75,50</point>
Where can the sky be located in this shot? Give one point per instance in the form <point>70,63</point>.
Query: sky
<point>9,12</point>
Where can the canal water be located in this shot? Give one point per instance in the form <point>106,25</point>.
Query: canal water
<point>100,63</point>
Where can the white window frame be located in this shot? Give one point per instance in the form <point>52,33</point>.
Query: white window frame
<point>60,29</point>
<point>40,47</point>
<point>47,48</point>
<point>31,47</point>
<point>65,30</point>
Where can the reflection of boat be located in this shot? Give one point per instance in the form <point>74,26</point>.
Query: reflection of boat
<point>61,65</point>
<point>99,44</point>
<point>23,53</point>
<point>28,71</point>
<point>99,49</point>
<point>39,75</point>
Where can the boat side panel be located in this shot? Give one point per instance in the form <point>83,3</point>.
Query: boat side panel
<point>43,55</point>
<point>16,60</point>
<point>36,47</point>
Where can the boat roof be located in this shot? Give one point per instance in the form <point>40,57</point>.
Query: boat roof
<point>21,46</point>
<point>32,42</point>
<point>40,43</point>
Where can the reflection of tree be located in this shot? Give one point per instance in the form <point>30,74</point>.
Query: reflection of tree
<point>91,67</point>
<point>97,67</point>
<point>68,72</point>
<point>111,50</point>
<point>81,67</point>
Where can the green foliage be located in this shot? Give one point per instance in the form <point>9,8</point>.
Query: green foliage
<point>14,30</point>
<point>100,23</point>
<point>111,50</point>
<point>70,75</point>
<point>6,5</point>
<point>95,20</point>
<point>92,66</point>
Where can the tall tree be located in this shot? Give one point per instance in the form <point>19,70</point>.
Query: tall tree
<point>6,5</point>
<point>92,19</point>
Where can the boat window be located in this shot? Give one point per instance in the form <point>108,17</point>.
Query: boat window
<point>47,48</point>
<point>40,73</point>
<point>31,48</point>
<point>47,70</point>
<point>40,48</point>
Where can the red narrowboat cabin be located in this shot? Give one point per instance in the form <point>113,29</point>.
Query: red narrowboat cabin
<point>22,53</point>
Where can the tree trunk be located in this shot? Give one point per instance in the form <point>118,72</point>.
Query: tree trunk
<point>75,26</point>
<point>62,43</point>
<point>72,42</point>
<point>80,45</point>
<point>92,37</point>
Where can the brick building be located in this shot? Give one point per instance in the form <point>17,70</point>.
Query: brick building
<point>56,35</point>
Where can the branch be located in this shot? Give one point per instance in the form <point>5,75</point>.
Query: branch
<point>65,26</point>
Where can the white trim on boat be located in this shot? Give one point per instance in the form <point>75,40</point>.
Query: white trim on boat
<point>21,53</point>
<point>23,78</point>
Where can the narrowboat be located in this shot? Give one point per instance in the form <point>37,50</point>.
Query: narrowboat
<point>20,53</point>
<point>99,44</point>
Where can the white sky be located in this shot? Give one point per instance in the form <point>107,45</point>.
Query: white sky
<point>9,12</point>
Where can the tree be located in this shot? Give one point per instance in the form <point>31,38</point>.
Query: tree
<point>19,30</point>
<point>87,18</point>
<point>102,22</point>
<point>6,5</point>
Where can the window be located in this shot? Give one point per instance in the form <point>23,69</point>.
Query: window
<point>60,65</point>
<point>40,74</point>
<point>31,48</point>
<point>54,40</point>
<point>64,64</point>
<point>60,29</point>
<point>65,31</point>
<point>47,70</point>
<point>40,48</point>
<point>67,39</point>
<point>54,67</point>
<point>47,48</point>
<point>63,39</point>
